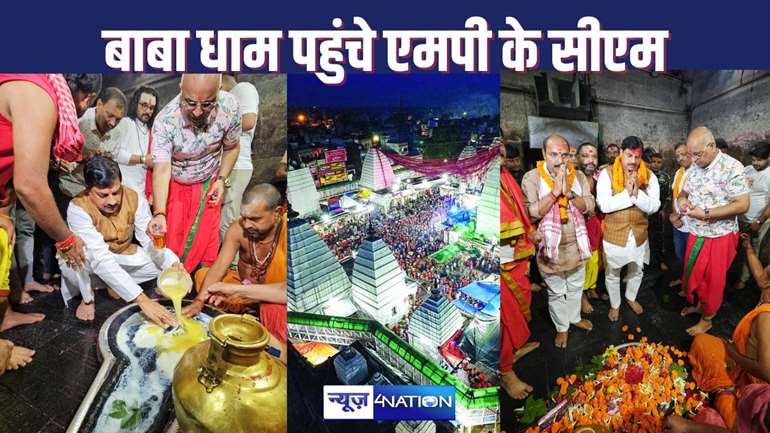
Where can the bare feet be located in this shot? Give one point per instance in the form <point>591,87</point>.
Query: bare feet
<point>614,314</point>
<point>690,309</point>
<point>14,318</point>
<point>584,324</point>
<point>536,287</point>
<point>525,349</point>
<point>86,312</point>
<point>585,305</point>
<point>605,297</point>
<point>113,294</point>
<point>635,307</point>
<point>674,283</point>
<point>699,328</point>
<point>34,286</point>
<point>514,387</point>
<point>20,357</point>
<point>25,298</point>
<point>561,340</point>
<point>592,294</point>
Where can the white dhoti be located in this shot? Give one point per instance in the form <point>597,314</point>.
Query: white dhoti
<point>139,267</point>
<point>565,290</point>
<point>617,257</point>
<point>647,201</point>
<point>121,272</point>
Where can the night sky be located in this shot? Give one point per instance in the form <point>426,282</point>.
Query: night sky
<point>386,90</point>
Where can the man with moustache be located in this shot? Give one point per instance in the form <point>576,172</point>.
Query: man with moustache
<point>196,141</point>
<point>103,132</point>
<point>259,239</point>
<point>133,156</point>
<point>587,158</point>
<point>557,196</point>
<point>108,217</point>
<point>715,193</point>
<point>627,192</point>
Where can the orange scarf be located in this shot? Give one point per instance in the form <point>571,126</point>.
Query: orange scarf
<point>562,199</point>
<point>619,176</point>
<point>677,180</point>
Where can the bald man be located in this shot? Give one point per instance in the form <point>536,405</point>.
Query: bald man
<point>259,239</point>
<point>195,146</point>
<point>557,196</point>
<point>715,193</point>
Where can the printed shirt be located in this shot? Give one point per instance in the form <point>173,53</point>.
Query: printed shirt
<point>195,155</point>
<point>712,187</point>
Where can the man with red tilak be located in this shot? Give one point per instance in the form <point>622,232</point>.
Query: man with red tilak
<point>627,192</point>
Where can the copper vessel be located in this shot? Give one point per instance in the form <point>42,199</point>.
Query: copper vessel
<point>229,384</point>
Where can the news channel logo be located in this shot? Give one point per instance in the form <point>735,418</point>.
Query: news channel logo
<point>389,402</point>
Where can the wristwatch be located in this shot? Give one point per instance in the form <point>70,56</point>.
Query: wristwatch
<point>706,212</point>
<point>226,180</point>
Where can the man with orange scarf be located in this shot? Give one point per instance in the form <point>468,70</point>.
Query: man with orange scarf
<point>195,146</point>
<point>558,196</point>
<point>715,192</point>
<point>627,192</point>
<point>726,368</point>
<point>516,292</point>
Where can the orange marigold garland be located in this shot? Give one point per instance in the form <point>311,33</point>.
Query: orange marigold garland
<point>627,390</point>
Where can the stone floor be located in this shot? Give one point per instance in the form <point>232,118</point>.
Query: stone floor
<point>44,396</point>
<point>661,322</point>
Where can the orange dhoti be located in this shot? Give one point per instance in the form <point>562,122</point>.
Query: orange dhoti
<point>709,361</point>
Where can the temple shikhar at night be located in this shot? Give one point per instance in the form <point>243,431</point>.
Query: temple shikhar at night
<point>393,262</point>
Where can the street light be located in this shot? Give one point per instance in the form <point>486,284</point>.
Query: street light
<point>375,138</point>
<point>301,118</point>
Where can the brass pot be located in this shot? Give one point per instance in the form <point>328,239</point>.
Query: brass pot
<point>229,384</point>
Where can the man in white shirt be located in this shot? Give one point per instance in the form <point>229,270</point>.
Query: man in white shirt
<point>133,156</point>
<point>103,133</point>
<point>757,219</point>
<point>107,216</point>
<point>240,176</point>
<point>627,192</point>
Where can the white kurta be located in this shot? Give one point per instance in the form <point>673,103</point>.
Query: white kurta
<point>136,141</point>
<point>648,202</point>
<point>120,272</point>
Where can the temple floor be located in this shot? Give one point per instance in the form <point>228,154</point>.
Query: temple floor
<point>660,322</point>
<point>44,396</point>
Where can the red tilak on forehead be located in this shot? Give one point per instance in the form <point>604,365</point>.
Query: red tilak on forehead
<point>636,152</point>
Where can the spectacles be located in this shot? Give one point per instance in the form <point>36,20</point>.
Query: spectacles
<point>699,155</point>
<point>205,105</point>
